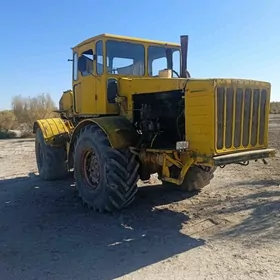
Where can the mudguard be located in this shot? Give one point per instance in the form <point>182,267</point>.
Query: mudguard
<point>120,133</point>
<point>119,130</point>
<point>55,131</point>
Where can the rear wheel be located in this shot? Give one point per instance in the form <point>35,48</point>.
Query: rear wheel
<point>51,161</point>
<point>106,178</point>
<point>195,179</point>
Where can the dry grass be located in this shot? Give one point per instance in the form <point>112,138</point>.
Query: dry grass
<point>25,110</point>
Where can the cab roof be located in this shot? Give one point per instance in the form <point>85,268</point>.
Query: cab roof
<point>119,37</point>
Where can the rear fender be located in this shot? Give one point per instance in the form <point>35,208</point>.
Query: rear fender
<point>55,131</point>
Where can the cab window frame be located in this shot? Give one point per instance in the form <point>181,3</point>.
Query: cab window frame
<point>150,62</point>
<point>75,72</point>
<point>139,54</point>
<point>97,55</point>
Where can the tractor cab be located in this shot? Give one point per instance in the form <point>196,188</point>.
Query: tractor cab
<point>123,56</point>
<point>102,63</point>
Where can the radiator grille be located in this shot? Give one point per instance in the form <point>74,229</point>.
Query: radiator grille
<point>241,117</point>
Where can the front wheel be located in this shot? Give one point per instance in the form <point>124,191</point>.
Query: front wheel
<point>106,178</point>
<point>195,179</point>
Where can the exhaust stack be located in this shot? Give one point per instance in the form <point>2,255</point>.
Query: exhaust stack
<point>184,51</point>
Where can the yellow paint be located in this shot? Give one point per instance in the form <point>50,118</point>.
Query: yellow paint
<point>84,88</point>
<point>244,84</point>
<point>66,103</point>
<point>133,86</point>
<point>184,166</point>
<point>51,128</point>
<point>90,92</point>
<point>201,115</point>
<point>125,38</point>
<point>119,130</point>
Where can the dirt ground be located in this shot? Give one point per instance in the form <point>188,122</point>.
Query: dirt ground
<point>230,230</point>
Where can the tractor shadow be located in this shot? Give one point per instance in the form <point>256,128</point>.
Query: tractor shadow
<point>46,232</point>
<point>262,225</point>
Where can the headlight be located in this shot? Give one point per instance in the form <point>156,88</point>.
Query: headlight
<point>182,145</point>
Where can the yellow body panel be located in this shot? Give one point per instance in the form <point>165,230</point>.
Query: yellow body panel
<point>133,86</point>
<point>199,116</point>
<point>51,128</point>
<point>211,134</point>
<point>119,130</point>
<point>86,96</point>
<point>66,103</point>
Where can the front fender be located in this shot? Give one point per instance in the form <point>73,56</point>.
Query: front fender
<point>119,130</point>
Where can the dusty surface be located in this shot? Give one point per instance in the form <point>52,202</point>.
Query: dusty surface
<point>231,230</point>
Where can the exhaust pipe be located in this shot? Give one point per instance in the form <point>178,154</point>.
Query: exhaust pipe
<point>184,54</point>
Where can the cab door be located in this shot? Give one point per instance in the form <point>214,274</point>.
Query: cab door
<point>84,89</point>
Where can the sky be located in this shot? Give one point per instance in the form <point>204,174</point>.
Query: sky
<point>233,38</point>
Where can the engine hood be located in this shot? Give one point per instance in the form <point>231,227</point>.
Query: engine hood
<point>150,85</point>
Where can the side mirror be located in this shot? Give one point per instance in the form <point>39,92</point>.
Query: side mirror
<point>112,90</point>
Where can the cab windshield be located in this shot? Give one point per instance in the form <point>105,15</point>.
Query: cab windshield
<point>160,58</point>
<point>124,58</point>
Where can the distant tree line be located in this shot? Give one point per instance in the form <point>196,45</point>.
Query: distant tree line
<point>25,110</point>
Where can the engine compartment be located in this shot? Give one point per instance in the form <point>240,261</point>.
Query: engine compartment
<point>159,118</point>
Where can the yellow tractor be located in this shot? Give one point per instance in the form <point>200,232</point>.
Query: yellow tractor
<point>134,110</point>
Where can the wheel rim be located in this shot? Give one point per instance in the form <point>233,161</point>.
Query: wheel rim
<point>90,169</point>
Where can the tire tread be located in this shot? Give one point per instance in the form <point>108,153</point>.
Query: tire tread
<point>122,173</point>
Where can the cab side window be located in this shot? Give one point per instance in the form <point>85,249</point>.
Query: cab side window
<point>85,65</point>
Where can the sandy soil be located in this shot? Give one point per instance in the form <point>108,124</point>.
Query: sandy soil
<point>230,230</point>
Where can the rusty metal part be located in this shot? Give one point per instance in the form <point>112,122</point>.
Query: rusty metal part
<point>162,161</point>
<point>243,156</point>
<point>147,157</point>
<point>91,169</point>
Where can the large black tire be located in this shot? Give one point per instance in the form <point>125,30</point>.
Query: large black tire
<point>106,178</point>
<point>51,161</point>
<point>195,179</point>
